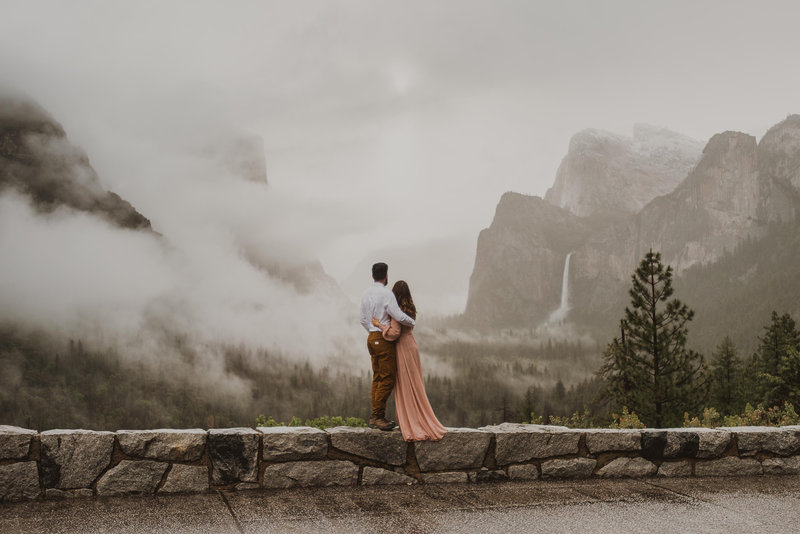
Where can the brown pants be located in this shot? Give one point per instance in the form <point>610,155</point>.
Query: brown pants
<point>384,371</point>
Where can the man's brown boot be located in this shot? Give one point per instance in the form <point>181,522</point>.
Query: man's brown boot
<point>380,423</point>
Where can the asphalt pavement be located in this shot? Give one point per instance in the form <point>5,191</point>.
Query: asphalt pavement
<point>757,504</point>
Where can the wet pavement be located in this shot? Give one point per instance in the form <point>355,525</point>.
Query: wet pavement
<point>758,504</point>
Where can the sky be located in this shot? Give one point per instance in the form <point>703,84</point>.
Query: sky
<point>390,129</point>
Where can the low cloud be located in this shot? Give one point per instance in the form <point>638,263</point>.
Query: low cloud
<point>136,292</point>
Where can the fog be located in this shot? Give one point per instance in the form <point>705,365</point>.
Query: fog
<point>390,132</point>
<point>133,293</point>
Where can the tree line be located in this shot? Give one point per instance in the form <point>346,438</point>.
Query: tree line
<point>649,370</point>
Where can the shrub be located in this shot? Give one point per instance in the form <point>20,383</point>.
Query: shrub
<point>758,416</point>
<point>534,420</point>
<point>711,418</point>
<point>264,421</point>
<point>626,420</point>
<point>576,420</point>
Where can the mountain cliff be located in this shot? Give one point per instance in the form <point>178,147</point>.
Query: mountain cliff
<point>38,160</point>
<point>518,257</point>
<point>735,193</point>
<point>605,173</point>
<point>779,163</point>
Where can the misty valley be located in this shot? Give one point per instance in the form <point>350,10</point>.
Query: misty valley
<point>49,384</point>
<point>153,327</point>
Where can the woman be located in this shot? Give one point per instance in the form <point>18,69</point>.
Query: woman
<point>414,413</point>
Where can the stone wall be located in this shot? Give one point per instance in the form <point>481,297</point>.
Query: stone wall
<point>82,463</point>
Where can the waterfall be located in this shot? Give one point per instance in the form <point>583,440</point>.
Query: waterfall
<point>561,313</point>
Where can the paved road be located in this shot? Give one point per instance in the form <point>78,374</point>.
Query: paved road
<point>760,504</point>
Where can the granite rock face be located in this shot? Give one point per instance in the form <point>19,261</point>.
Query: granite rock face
<point>132,477</point>
<point>779,162</point>
<point>681,443</point>
<point>606,440</point>
<point>611,203</point>
<point>15,442</point>
<point>713,442</point>
<point>781,466</point>
<point>653,444</point>
<point>728,466</point>
<point>234,455</point>
<point>605,172</point>
<point>628,467</point>
<point>74,458</point>
<point>689,442</point>
<point>460,448</point>
<point>517,443</point>
<point>709,212</point>
<point>19,481</point>
<point>378,445</point>
<point>568,468</point>
<point>170,445</point>
<point>311,474</point>
<point>712,210</point>
<point>523,472</point>
<point>38,160</point>
<point>520,261</point>
<point>376,476</point>
<point>675,469</point>
<point>286,443</point>
<point>186,479</point>
<point>751,440</point>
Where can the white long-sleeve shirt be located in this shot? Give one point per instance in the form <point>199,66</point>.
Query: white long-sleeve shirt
<point>378,301</point>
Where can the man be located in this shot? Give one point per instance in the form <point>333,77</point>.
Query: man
<point>379,302</point>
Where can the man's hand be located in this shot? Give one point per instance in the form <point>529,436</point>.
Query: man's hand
<point>376,322</point>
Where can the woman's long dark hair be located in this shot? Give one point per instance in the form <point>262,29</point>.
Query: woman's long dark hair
<point>404,300</point>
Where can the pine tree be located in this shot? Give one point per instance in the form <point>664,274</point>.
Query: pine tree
<point>725,374</point>
<point>648,368</point>
<point>774,365</point>
<point>528,405</point>
<point>623,373</point>
<point>788,379</point>
<point>559,391</point>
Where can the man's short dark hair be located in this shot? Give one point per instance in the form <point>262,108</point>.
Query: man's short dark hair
<point>379,271</point>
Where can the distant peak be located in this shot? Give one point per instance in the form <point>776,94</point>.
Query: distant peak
<point>608,173</point>
<point>728,139</point>
<point>512,196</point>
<point>644,135</point>
<point>791,122</point>
<point>593,136</point>
<point>643,131</point>
<point>19,112</point>
<point>38,160</point>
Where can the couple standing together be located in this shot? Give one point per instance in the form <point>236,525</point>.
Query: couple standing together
<point>389,316</point>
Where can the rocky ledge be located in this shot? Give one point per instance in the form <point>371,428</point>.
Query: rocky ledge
<point>84,463</point>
